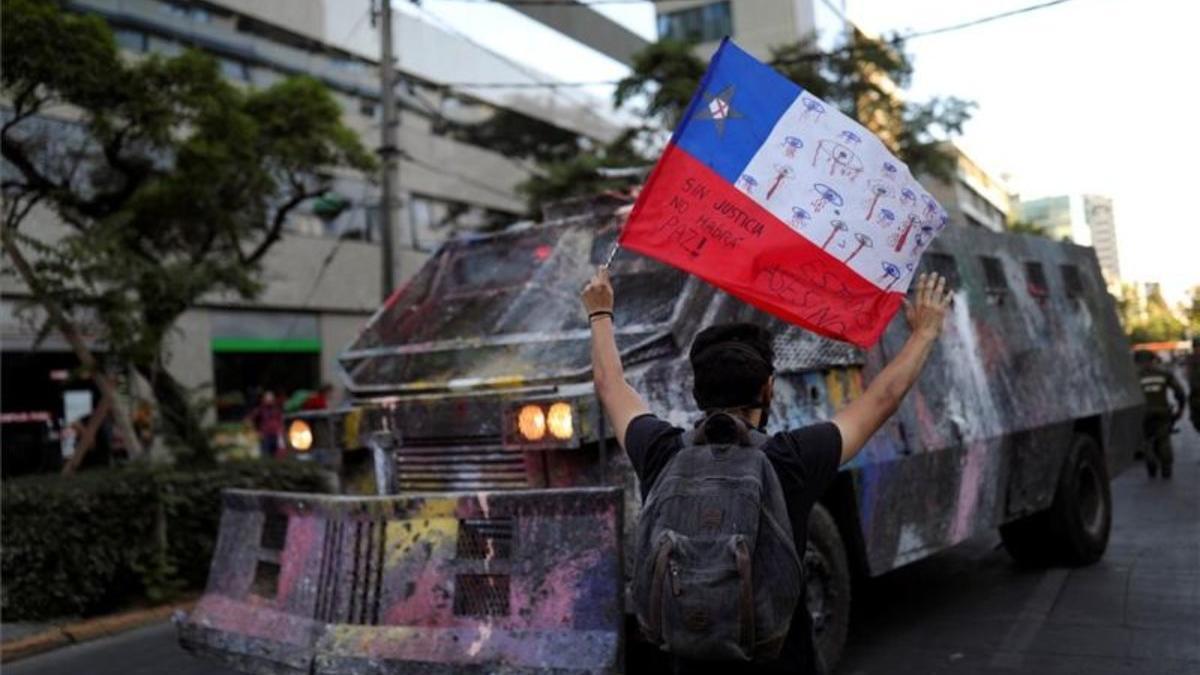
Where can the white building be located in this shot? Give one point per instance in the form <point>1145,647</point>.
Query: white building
<point>323,280</point>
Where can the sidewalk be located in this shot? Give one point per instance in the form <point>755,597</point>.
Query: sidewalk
<point>21,640</point>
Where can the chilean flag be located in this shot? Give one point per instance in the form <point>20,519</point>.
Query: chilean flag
<point>779,199</point>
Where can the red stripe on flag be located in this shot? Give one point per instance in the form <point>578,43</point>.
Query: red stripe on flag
<point>687,216</point>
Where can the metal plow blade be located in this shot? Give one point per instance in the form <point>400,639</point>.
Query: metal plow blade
<point>478,582</point>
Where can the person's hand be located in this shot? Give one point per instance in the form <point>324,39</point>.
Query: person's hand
<point>597,295</point>
<point>926,313</point>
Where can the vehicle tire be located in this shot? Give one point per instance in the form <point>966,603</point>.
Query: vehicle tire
<point>827,586</point>
<point>1074,530</point>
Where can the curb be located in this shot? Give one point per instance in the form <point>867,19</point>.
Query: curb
<point>84,631</point>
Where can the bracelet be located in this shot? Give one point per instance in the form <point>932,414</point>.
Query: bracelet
<point>594,315</point>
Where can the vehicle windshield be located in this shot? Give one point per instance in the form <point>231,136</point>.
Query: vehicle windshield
<point>508,306</point>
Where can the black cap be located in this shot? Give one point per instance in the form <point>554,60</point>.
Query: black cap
<point>730,364</point>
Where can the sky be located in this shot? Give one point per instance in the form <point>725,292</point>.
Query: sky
<point>1086,96</point>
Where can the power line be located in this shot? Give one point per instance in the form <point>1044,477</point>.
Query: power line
<point>981,20</point>
<point>808,57</point>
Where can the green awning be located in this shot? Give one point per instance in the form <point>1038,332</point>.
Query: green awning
<point>266,345</point>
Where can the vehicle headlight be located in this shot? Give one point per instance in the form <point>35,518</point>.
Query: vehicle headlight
<point>531,422</point>
<point>300,435</point>
<point>560,420</point>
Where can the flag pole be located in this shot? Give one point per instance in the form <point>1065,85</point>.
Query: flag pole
<point>612,253</point>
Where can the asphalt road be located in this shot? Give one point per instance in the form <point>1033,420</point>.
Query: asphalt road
<point>967,610</point>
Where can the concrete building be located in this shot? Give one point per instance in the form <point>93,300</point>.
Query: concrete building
<point>756,25</point>
<point>323,280</point>
<point>1085,219</point>
<point>973,197</point>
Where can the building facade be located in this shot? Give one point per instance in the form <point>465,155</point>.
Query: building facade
<point>1086,219</point>
<point>756,25</point>
<point>323,280</point>
<point>972,196</point>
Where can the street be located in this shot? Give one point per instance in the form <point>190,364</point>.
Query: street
<point>968,610</point>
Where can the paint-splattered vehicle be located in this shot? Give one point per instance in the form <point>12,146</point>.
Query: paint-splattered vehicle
<point>498,545</point>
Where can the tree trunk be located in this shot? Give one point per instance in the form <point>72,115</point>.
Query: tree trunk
<point>72,336</point>
<point>180,417</point>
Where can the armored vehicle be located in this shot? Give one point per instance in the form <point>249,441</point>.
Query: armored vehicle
<point>497,541</point>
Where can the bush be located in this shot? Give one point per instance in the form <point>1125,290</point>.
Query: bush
<point>86,544</point>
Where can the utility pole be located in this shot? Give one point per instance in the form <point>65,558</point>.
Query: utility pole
<point>389,149</point>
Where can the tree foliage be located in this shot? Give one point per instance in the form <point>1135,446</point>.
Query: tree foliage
<point>1019,226</point>
<point>862,77</point>
<point>173,183</point>
<point>1148,318</point>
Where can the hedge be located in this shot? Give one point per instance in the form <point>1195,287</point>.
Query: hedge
<point>87,544</point>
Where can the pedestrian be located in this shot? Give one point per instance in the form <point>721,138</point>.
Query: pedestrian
<point>733,384</point>
<point>1159,421</point>
<point>1193,377</point>
<point>267,419</point>
<point>319,399</point>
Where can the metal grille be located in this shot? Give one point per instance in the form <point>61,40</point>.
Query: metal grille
<point>798,350</point>
<point>481,595</point>
<point>993,274</point>
<point>459,467</point>
<point>1072,280</point>
<point>480,539</point>
<point>1035,276</point>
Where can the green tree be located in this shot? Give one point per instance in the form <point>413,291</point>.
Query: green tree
<point>1191,311</point>
<point>1019,226</point>
<point>173,184</point>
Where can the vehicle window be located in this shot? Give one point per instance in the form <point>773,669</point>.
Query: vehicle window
<point>492,267</point>
<point>944,264</point>
<point>993,274</point>
<point>1035,279</point>
<point>1072,280</point>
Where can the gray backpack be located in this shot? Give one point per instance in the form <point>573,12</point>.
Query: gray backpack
<point>716,575</point>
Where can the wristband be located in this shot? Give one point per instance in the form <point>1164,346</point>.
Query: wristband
<point>603,312</point>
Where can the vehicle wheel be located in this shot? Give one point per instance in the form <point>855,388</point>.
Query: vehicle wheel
<point>827,586</point>
<point>1074,530</point>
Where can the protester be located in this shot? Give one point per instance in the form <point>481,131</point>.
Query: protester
<point>267,419</point>
<point>733,373</point>
<point>1160,419</point>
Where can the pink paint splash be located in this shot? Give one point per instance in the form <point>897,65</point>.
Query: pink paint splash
<point>304,536</point>
<point>969,484</point>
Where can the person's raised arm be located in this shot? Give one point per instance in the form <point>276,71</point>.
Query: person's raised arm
<point>859,420</point>
<point>621,403</point>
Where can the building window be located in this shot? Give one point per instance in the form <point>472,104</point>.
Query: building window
<point>367,108</point>
<point>698,24</point>
<point>1035,279</point>
<point>187,11</point>
<point>434,220</point>
<point>131,40</point>
<point>234,69</point>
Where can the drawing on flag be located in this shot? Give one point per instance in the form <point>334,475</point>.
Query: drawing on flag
<point>779,199</point>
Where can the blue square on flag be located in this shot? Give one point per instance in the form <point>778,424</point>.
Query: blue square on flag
<point>778,198</point>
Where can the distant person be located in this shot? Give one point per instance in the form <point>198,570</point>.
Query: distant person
<point>267,419</point>
<point>687,531</point>
<point>1193,378</point>
<point>319,399</point>
<point>1161,417</point>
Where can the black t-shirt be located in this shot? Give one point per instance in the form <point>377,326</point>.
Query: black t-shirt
<point>806,461</point>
